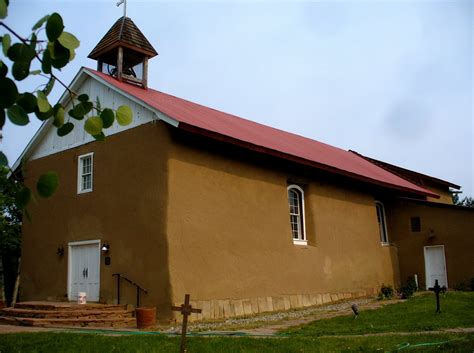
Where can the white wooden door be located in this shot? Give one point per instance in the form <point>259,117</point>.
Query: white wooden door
<point>84,269</point>
<point>435,266</point>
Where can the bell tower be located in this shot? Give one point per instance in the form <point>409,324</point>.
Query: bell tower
<point>124,52</point>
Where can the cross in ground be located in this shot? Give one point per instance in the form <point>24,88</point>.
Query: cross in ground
<point>185,309</point>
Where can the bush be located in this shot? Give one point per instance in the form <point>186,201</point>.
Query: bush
<point>386,292</point>
<point>471,284</point>
<point>461,286</point>
<point>406,290</point>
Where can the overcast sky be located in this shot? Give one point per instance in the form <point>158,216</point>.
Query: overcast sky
<point>391,80</point>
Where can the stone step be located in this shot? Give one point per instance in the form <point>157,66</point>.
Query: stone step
<point>68,322</point>
<point>66,306</point>
<point>58,314</point>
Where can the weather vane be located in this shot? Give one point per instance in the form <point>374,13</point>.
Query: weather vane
<point>124,2</point>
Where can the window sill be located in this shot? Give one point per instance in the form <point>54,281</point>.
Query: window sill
<point>84,191</point>
<point>300,242</point>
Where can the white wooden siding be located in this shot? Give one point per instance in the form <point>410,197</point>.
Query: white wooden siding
<point>52,143</point>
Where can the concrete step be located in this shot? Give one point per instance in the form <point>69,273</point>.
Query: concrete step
<point>61,314</point>
<point>68,322</point>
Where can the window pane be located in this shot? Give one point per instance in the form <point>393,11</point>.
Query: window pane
<point>295,208</point>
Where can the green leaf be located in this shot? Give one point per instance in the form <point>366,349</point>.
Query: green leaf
<point>23,196</point>
<point>83,98</point>
<point>28,102</point>
<point>3,9</point>
<point>17,115</point>
<point>6,41</point>
<point>58,115</point>
<point>99,137</point>
<point>33,41</point>
<point>43,104</point>
<point>40,23</point>
<point>65,129</point>
<point>9,92</point>
<point>124,115</point>
<point>107,117</point>
<point>2,118</point>
<point>54,26</point>
<point>3,160</point>
<point>46,64</point>
<point>49,86</point>
<point>44,115</point>
<point>93,125</point>
<point>20,52</point>
<point>68,40</point>
<point>59,55</point>
<point>35,72</point>
<point>47,184</point>
<point>97,104</point>
<point>72,55</point>
<point>21,70</point>
<point>80,110</point>
<point>3,69</point>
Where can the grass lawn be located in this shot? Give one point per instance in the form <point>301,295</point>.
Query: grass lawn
<point>85,343</point>
<point>414,315</point>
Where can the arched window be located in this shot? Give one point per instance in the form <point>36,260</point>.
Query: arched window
<point>382,222</point>
<point>296,203</point>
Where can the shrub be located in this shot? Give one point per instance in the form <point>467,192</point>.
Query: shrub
<point>471,284</point>
<point>461,286</point>
<point>386,292</point>
<point>406,290</point>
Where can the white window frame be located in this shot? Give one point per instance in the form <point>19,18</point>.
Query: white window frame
<point>80,190</point>
<point>302,240</point>
<point>383,234</point>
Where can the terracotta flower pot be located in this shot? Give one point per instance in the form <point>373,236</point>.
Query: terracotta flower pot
<point>146,317</point>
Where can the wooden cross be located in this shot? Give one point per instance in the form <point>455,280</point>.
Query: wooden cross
<point>437,289</point>
<point>185,309</point>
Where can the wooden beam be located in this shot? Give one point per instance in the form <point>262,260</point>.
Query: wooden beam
<point>120,63</point>
<point>145,73</point>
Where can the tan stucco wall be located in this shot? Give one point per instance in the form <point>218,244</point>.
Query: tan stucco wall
<point>127,208</point>
<point>444,195</point>
<point>450,226</point>
<point>185,215</point>
<point>229,233</point>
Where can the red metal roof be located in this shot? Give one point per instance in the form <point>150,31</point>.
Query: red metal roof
<point>207,121</point>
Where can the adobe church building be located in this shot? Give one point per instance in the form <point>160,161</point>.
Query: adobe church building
<point>243,217</point>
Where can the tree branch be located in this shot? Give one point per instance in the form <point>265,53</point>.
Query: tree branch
<point>52,75</point>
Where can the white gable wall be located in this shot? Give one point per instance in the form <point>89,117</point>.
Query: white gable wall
<point>51,143</point>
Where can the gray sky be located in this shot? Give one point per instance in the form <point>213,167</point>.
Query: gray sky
<point>391,80</point>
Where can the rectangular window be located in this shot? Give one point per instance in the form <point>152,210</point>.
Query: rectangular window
<point>382,222</point>
<point>85,171</point>
<point>296,204</point>
<point>415,224</point>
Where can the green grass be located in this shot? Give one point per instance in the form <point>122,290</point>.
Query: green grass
<point>417,314</point>
<point>414,315</point>
<point>85,343</point>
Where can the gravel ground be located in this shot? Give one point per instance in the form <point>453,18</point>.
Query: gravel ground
<point>282,318</point>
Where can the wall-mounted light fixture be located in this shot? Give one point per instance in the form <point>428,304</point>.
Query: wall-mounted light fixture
<point>105,247</point>
<point>60,251</point>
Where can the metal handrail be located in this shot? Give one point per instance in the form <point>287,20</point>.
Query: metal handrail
<point>139,288</point>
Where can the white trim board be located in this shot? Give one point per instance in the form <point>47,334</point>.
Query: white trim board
<point>78,80</point>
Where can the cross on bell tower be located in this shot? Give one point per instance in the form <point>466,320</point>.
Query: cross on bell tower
<point>124,52</point>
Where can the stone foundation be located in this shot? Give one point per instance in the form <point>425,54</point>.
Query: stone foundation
<point>226,308</point>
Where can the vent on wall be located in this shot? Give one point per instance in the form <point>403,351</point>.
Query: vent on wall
<point>415,224</point>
